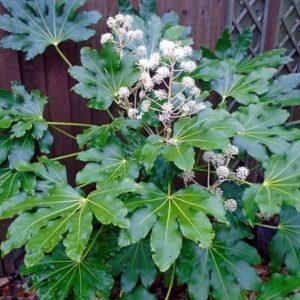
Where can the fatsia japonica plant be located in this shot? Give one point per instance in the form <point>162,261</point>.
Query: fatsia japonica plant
<point>199,161</point>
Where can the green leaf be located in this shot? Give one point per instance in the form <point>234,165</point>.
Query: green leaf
<point>97,135</point>
<point>152,149</point>
<point>268,59</point>
<point>138,294</point>
<point>50,171</point>
<point>172,216</point>
<point>34,25</point>
<point>223,44</point>
<point>102,75</point>
<point>58,277</point>
<point>22,150</point>
<point>5,145</point>
<point>285,246</point>
<point>134,262</point>
<point>242,44</point>
<point>260,130</point>
<point>281,184</point>
<point>62,214</point>
<point>125,7</point>
<point>283,90</point>
<point>243,88</point>
<point>278,286</point>
<point>108,164</point>
<point>147,9</point>
<point>221,271</point>
<point>9,184</point>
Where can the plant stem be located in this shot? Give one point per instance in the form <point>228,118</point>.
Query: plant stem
<point>171,283</point>
<point>292,123</point>
<point>69,124</point>
<point>267,226</point>
<point>63,56</point>
<point>65,156</point>
<point>64,132</point>
<point>110,114</point>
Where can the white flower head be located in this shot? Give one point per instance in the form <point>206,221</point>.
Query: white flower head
<point>111,22</point>
<point>231,151</point>
<point>167,48</point>
<point>188,82</point>
<point>195,91</point>
<point>219,159</point>
<point>145,106</point>
<point>222,172</point>
<point>168,107</point>
<point>132,113</point>
<point>124,92</point>
<point>242,173</point>
<point>230,205</point>
<point>188,65</point>
<point>160,94</point>
<point>164,116</point>
<point>141,50</point>
<point>106,37</point>
<point>208,156</point>
<point>135,34</point>
<point>163,71</point>
<point>188,176</point>
<point>218,191</point>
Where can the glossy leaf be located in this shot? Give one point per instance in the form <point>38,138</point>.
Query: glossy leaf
<point>63,212</point>
<point>36,24</point>
<point>267,59</point>
<point>221,271</point>
<point>139,293</point>
<point>280,186</point>
<point>59,277</point>
<point>108,164</point>
<point>278,286</point>
<point>260,130</point>
<point>134,262</point>
<point>283,90</point>
<point>285,246</point>
<point>171,216</point>
<point>245,89</point>
<point>102,74</point>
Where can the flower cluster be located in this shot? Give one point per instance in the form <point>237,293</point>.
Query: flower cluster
<point>220,162</point>
<point>187,177</point>
<point>122,34</point>
<point>230,205</point>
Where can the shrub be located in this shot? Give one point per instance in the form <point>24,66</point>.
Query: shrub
<point>174,187</point>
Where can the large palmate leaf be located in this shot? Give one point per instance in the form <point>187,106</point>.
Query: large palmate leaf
<point>36,24</point>
<point>21,121</point>
<point>171,216</point>
<point>210,130</point>
<point>108,164</point>
<point>59,277</point>
<point>103,74</point>
<point>243,88</point>
<point>260,130</point>
<point>278,287</point>
<point>285,246</point>
<point>63,212</point>
<point>222,271</point>
<point>281,185</point>
<point>267,59</point>
<point>134,262</point>
<point>283,90</point>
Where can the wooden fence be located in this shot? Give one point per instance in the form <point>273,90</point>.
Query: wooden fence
<point>273,22</point>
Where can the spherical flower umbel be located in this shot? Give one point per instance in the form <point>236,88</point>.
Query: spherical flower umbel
<point>188,65</point>
<point>208,156</point>
<point>145,106</point>
<point>106,37</point>
<point>135,34</point>
<point>160,94</point>
<point>188,176</point>
<point>218,191</point>
<point>124,92</point>
<point>231,151</point>
<point>188,82</point>
<point>242,173</point>
<point>132,113</point>
<point>222,172</point>
<point>230,205</point>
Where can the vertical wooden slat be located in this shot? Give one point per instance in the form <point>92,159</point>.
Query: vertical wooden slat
<point>272,25</point>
